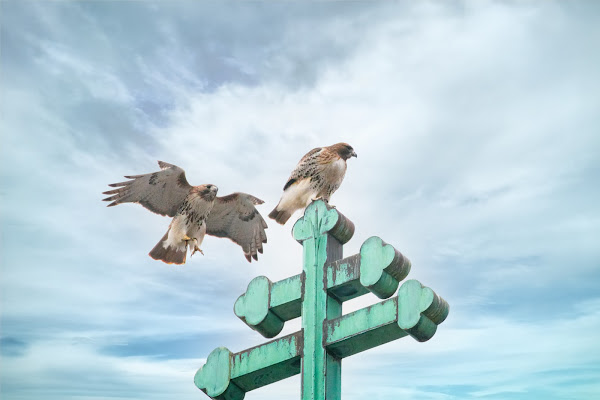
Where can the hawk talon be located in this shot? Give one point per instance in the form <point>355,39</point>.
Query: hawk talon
<point>326,201</point>
<point>199,211</point>
<point>196,248</point>
<point>318,174</point>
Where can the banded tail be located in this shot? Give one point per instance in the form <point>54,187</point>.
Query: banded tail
<point>280,216</point>
<point>169,254</point>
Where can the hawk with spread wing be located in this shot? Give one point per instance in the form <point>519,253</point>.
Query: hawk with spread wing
<point>318,174</point>
<point>196,211</point>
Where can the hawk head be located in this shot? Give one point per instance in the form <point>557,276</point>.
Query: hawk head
<point>344,150</point>
<point>207,192</point>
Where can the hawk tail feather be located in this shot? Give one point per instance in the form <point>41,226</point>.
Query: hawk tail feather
<point>169,254</point>
<point>280,216</point>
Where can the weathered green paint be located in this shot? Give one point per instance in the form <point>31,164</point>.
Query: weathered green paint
<point>382,267</point>
<point>214,378</point>
<point>343,279</point>
<point>229,376</point>
<point>417,311</point>
<point>320,219</point>
<point>266,306</point>
<point>321,371</point>
<point>363,329</point>
<point>253,308</point>
<point>420,310</point>
<point>317,295</point>
<point>286,298</point>
<point>268,363</point>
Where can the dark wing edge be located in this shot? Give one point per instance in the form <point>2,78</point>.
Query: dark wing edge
<point>161,192</point>
<point>235,217</point>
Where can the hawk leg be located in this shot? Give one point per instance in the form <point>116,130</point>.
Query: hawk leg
<point>196,248</point>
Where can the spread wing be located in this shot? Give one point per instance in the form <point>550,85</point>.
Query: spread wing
<point>308,167</point>
<point>161,192</point>
<point>235,217</point>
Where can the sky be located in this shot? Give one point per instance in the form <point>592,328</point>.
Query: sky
<point>477,130</point>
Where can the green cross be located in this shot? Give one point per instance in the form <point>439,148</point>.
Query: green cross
<point>317,295</point>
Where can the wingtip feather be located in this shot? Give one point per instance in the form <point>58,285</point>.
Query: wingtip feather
<point>119,184</point>
<point>253,199</point>
<point>164,165</point>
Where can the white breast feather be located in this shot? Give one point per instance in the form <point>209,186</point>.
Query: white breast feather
<point>181,227</point>
<point>337,170</point>
<point>177,230</point>
<point>298,195</point>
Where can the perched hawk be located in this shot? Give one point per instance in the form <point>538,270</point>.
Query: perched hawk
<point>196,211</point>
<point>318,174</point>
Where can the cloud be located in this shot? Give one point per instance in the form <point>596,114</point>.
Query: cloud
<point>65,371</point>
<point>12,346</point>
<point>478,355</point>
<point>475,126</point>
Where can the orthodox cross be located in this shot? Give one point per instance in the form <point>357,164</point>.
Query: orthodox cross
<point>317,295</point>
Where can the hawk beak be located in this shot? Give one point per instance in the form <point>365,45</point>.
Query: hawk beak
<point>353,154</point>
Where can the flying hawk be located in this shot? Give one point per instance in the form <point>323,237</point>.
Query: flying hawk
<point>196,211</point>
<point>318,174</point>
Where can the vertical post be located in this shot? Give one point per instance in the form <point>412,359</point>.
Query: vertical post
<point>416,311</point>
<point>321,371</point>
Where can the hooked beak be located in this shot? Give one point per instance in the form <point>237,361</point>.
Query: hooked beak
<point>353,154</point>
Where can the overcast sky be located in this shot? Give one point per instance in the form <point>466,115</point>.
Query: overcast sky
<point>477,128</point>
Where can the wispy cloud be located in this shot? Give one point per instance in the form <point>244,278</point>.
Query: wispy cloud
<point>475,125</point>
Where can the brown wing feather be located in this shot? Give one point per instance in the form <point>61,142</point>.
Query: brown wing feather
<point>235,217</point>
<point>161,192</point>
<point>307,167</point>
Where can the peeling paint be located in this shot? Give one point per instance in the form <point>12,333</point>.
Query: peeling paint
<point>317,294</point>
